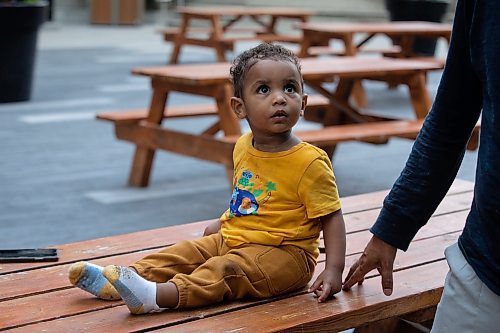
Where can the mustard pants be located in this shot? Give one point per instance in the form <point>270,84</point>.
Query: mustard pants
<point>207,271</point>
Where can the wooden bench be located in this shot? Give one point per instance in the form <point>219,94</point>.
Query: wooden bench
<point>240,34</point>
<point>315,51</point>
<point>315,110</point>
<point>170,33</point>
<point>326,137</point>
<point>37,297</point>
<point>154,136</point>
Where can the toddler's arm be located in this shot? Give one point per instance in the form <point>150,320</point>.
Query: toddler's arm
<point>212,228</point>
<point>329,282</point>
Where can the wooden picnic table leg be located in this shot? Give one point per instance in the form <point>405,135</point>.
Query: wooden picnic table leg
<point>216,37</point>
<point>180,39</point>
<point>422,103</point>
<point>340,99</point>
<point>229,123</point>
<point>310,39</point>
<point>334,117</point>
<point>305,44</point>
<point>339,104</point>
<point>419,95</point>
<point>473,140</point>
<point>406,44</point>
<point>344,113</point>
<point>143,157</point>
<point>351,50</point>
<point>271,27</point>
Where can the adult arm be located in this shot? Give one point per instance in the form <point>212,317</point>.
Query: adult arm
<point>434,160</point>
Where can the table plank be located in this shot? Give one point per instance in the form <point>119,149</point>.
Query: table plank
<point>312,69</point>
<point>245,10</point>
<point>55,278</point>
<point>70,302</point>
<point>364,303</point>
<point>112,245</point>
<point>388,28</point>
<point>417,287</point>
<point>372,200</point>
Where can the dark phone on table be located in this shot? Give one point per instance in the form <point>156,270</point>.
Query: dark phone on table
<point>28,255</point>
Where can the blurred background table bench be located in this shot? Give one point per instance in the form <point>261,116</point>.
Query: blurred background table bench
<point>37,297</point>
<point>212,80</point>
<point>221,28</point>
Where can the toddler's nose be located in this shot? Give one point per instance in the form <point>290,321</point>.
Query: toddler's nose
<point>279,98</point>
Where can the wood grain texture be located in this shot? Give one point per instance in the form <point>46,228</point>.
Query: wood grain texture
<point>49,302</point>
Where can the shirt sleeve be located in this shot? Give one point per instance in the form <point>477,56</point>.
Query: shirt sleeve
<point>318,190</point>
<point>439,148</point>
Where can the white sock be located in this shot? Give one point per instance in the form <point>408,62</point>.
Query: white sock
<point>88,277</point>
<point>138,293</point>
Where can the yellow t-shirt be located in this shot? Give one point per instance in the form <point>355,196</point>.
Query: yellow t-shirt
<point>278,198</point>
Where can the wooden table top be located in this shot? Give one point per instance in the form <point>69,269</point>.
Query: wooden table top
<point>38,297</point>
<point>244,10</point>
<point>312,68</point>
<point>391,28</point>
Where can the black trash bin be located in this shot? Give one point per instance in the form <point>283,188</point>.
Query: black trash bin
<point>419,10</point>
<point>19,23</point>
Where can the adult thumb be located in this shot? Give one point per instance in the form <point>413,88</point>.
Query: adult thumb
<point>387,281</point>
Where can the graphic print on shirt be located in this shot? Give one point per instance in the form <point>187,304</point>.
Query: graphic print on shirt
<point>249,193</point>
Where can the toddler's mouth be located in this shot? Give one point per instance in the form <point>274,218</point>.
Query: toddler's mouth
<point>280,113</point>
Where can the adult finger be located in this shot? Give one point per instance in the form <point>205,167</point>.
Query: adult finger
<point>387,281</point>
<point>359,274</point>
<point>352,270</point>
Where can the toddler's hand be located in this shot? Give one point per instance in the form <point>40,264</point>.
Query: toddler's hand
<point>328,283</point>
<point>212,228</point>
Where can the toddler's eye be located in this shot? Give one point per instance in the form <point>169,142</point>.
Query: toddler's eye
<point>263,90</point>
<point>289,88</point>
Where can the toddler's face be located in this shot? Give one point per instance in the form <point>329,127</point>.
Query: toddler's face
<point>272,97</point>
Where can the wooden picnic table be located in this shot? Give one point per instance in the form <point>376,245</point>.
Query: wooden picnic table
<point>220,21</point>
<point>37,297</point>
<point>404,32</point>
<point>212,80</point>
<point>317,36</point>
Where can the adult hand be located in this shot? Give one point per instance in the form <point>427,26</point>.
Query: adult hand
<point>377,254</point>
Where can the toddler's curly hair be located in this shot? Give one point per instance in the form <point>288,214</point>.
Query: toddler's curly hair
<point>242,64</point>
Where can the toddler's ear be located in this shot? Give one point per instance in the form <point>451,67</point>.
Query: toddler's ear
<point>238,107</point>
<point>304,103</point>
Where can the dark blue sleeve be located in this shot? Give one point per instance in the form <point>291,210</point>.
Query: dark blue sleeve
<point>439,149</point>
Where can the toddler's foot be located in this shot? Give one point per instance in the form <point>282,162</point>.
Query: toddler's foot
<point>88,277</point>
<point>138,293</point>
